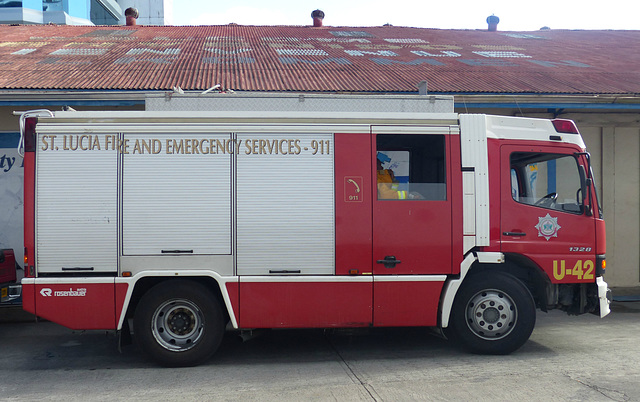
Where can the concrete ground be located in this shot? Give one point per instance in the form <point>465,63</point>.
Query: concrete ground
<point>582,358</point>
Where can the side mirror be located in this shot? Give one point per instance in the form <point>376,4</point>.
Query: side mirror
<point>588,189</point>
<point>585,189</point>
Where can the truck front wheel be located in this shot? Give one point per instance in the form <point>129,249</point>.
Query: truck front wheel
<point>492,314</point>
<point>179,323</point>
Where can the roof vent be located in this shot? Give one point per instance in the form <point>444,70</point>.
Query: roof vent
<point>131,15</point>
<point>318,16</point>
<point>493,21</point>
<point>422,88</point>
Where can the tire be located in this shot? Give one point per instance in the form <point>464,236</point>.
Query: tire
<point>493,313</point>
<point>179,323</point>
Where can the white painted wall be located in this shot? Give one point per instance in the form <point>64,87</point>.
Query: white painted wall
<point>11,201</point>
<point>622,173</point>
<point>615,151</point>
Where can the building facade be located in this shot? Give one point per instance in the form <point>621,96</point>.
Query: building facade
<point>151,12</point>
<point>83,12</point>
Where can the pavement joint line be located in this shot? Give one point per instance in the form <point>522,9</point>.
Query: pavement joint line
<point>352,374</point>
<point>606,392</point>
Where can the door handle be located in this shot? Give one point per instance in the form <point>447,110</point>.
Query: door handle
<point>514,234</point>
<point>284,271</point>
<point>77,268</point>
<point>389,261</point>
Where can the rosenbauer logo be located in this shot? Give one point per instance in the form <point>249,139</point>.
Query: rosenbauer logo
<point>80,292</point>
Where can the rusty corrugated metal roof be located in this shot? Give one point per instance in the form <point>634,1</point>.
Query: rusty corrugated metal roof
<point>346,59</point>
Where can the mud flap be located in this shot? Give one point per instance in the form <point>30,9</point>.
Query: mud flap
<point>604,296</point>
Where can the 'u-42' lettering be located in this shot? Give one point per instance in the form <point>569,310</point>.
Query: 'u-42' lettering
<point>580,270</point>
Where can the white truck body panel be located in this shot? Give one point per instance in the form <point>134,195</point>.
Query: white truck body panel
<point>473,147</point>
<point>77,211</point>
<point>290,102</point>
<point>286,207</point>
<point>166,205</point>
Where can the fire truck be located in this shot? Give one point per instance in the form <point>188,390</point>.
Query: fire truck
<point>206,213</point>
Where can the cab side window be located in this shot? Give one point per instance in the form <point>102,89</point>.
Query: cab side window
<point>547,180</point>
<point>411,167</point>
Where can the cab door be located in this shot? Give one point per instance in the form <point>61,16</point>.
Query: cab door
<point>411,224</point>
<point>542,212</point>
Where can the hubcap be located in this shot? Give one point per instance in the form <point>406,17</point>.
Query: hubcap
<point>177,325</point>
<point>491,314</point>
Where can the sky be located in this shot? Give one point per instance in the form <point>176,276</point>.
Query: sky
<point>515,15</point>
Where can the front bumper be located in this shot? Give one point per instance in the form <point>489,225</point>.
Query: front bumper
<point>10,294</point>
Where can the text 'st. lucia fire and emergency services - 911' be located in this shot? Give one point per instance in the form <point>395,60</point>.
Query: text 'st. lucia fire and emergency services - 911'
<point>329,211</point>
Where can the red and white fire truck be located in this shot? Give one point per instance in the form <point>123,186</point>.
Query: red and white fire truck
<point>248,211</point>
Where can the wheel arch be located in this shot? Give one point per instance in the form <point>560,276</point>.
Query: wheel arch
<point>141,285</point>
<point>516,265</point>
<point>523,269</point>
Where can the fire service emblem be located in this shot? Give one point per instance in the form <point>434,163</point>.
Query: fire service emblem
<point>548,227</point>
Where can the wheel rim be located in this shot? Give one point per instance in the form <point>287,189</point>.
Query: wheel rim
<point>491,314</point>
<point>177,325</point>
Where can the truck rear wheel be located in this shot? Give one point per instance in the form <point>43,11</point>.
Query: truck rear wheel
<point>493,314</point>
<point>179,323</point>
